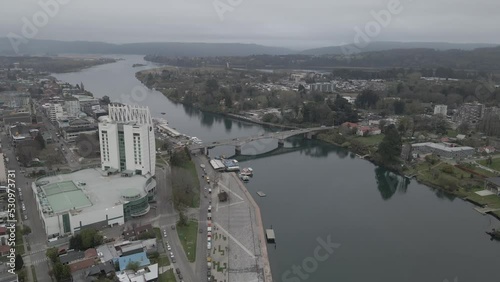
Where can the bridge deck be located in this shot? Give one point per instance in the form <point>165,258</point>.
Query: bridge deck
<point>244,140</point>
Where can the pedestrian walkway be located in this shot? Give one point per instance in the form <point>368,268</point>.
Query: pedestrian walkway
<point>37,261</point>
<point>35,252</point>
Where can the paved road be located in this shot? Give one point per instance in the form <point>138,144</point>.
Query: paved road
<point>37,239</point>
<point>200,266</point>
<point>165,207</point>
<point>71,158</point>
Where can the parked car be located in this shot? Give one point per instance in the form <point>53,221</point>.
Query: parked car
<point>171,255</point>
<point>178,271</point>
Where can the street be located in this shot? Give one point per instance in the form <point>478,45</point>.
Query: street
<point>36,239</point>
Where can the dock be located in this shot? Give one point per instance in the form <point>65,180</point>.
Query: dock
<point>271,238</point>
<point>261,194</point>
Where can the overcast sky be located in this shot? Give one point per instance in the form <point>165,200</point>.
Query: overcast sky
<point>288,23</point>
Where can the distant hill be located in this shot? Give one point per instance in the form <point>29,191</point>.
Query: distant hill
<point>54,47</point>
<point>389,45</point>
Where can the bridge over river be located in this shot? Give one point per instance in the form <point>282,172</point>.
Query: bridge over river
<point>239,142</point>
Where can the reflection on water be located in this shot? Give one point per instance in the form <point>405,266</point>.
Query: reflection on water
<point>228,124</point>
<point>389,182</point>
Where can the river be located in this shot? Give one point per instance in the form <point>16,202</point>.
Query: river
<point>384,228</point>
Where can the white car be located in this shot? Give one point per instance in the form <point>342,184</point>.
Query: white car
<point>171,255</point>
<point>169,248</point>
<point>209,245</point>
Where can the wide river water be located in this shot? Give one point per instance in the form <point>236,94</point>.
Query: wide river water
<point>385,228</point>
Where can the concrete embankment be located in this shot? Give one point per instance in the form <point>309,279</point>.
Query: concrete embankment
<point>260,226</point>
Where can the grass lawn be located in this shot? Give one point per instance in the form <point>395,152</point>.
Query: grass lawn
<point>188,235</point>
<point>495,165</point>
<point>167,276</point>
<point>158,233</point>
<point>163,261</point>
<point>19,242</point>
<point>492,201</point>
<point>481,171</point>
<point>370,140</point>
<point>186,176</point>
<point>452,133</point>
<point>33,272</point>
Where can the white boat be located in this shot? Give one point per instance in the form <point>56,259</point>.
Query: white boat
<point>245,178</point>
<point>196,140</point>
<point>248,171</point>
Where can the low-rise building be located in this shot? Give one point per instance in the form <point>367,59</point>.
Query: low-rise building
<point>91,198</point>
<point>368,131</point>
<point>443,150</point>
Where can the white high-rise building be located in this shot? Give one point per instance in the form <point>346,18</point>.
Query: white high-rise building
<point>72,107</point>
<point>55,112</point>
<point>440,110</point>
<point>127,140</point>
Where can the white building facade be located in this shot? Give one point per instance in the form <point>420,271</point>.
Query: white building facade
<point>72,107</point>
<point>440,110</point>
<point>55,112</point>
<point>127,140</point>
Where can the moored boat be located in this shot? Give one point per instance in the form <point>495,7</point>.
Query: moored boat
<point>248,171</point>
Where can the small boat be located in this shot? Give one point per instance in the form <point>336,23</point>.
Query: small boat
<point>245,178</point>
<point>163,113</point>
<point>248,171</point>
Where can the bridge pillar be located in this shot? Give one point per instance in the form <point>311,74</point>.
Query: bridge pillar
<point>237,150</point>
<point>281,143</point>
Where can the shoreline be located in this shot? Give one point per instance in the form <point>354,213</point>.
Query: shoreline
<point>368,158</point>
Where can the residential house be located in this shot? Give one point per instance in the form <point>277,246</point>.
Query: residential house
<point>368,131</point>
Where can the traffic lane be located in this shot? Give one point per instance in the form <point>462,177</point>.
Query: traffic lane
<point>181,259</point>
<point>202,251</point>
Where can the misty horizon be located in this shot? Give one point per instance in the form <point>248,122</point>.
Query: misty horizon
<point>297,26</point>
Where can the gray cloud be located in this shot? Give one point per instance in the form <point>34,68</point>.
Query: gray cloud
<point>290,23</point>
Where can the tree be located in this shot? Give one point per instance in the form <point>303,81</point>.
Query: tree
<point>211,86</point>
<point>61,271</point>
<point>19,262</point>
<point>26,230</point>
<point>367,99</point>
<point>133,265</point>
<point>52,254</point>
<point>182,219</point>
<point>463,128</point>
<point>39,139</point>
<point>390,148</point>
<point>87,238</point>
<point>399,107</point>
<point>105,100</point>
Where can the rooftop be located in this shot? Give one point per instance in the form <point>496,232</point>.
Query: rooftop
<point>443,147</point>
<point>88,189</point>
<point>141,258</point>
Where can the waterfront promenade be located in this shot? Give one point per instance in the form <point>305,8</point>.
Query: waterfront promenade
<point>238,250</point>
